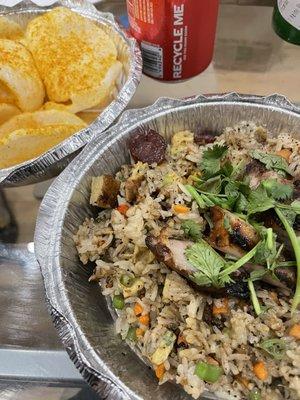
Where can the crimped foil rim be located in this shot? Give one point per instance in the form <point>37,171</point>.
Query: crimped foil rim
<point>51,218</point>
<point>33,170</point>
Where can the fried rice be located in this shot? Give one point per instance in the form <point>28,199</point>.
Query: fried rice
<point>169,321</point>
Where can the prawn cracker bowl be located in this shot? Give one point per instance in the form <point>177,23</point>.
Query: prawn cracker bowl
<point>53,161</point>
<point>81,314</point>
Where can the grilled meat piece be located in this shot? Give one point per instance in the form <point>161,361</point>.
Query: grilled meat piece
<point>172,253</point>
<point>286,275</point>
<point>256,172</point>
<point>104,191</point>
<point>132,186</point>
<point>242,236</point>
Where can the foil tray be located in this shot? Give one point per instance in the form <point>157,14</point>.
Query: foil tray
<point>79,311</point>
<point>57,158</point>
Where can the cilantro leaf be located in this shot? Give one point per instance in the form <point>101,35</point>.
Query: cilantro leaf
<point>259,201</point>
<point>291,211</point>
<point>232,192</point>
<point>290,215</point>
<point>271,161</point>
<point>295,206</point>
<point>212,185</point>
<point>208,263</point>
<point>227,169</point>
<point>210,164</point>
<point>241,204</point>
<point>278,190</point>
<point>192,229</point>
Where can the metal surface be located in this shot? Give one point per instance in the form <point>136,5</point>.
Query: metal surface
<point>84,323</point>
<point>24,318</point>
<point>53,161</point>
<point>33,362</point>
<point>37,365</point>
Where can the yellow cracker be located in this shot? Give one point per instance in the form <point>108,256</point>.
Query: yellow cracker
<point>32,142</point>
<point>73,56</point>
<point>10,29</point>
<point>19,78</point>
<point>39,119</point>
<point>7,111</point>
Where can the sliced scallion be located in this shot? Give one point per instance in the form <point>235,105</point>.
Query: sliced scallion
<point>254,298</point>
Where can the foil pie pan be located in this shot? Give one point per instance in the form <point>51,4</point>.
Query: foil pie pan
<point>79,310</point>
<point>57,158</point>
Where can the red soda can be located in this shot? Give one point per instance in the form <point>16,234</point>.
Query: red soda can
<point>176,36</point>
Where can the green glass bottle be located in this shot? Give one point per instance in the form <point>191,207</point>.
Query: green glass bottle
<point>286,20</point>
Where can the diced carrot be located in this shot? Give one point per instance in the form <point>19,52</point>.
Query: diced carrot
<point>223,309</point>
<point>139,332</point>
<point>180,209</point>
<point>144,319</point>
<point>260,371</point>
<point>160,370</point>
<point>284,153</point>
<point>295,331</point>
<point>138,309</point>
<point>123,208</point>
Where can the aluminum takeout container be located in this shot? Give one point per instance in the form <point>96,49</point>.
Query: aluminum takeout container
<point>56,159</point>
<point>79,310</point>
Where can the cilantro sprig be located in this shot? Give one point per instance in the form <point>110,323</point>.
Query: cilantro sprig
<point>211,160</point>
<point>296,246</point>
<point>207,262</point>
<point>222,184</point>
<point>271,161</point>
<point>192,229</point>
<point>213,269</point>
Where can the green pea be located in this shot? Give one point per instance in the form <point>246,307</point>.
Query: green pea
<point>254,395</point>
<point>131,334</point>
<point>208,372</point>
<point>118,301</point>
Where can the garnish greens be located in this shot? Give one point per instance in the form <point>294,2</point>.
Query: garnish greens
<point>208,263</point>
<point>271,161</point>
<point>275,347</point>
<point>266,250</point>
<point>211,160</point>
<point>192,229</point>
<point>277,190</point>
<point>296,247</point>
<point>222,184</point>
<point>254,299</point>
<point>212,268</point>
